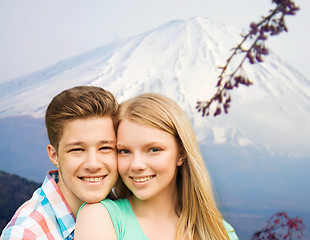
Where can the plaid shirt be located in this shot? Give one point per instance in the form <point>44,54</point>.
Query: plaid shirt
<point>45,216</point>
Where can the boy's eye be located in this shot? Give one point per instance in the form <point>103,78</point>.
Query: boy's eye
<point>106,148</point>
<point>76,150</point>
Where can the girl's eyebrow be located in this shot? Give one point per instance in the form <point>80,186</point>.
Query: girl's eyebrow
<point>120,145</point>
<point>154,143</point>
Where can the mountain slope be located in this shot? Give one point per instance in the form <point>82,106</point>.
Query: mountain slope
<point>180,60</point>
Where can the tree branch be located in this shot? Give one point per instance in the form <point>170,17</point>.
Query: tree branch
<point>271,25</point>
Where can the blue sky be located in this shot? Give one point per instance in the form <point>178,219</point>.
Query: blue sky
<point>36,34</point>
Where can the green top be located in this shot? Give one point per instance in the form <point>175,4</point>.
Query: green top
<point>126,223</point>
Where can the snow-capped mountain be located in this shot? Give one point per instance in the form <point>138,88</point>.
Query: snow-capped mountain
<point>180,59</point>
<point>257,155</point>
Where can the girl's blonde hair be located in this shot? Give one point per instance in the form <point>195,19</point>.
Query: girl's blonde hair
<point>199,218</point>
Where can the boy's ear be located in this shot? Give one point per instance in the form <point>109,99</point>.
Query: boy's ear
<point>52,154</point>
<point>182,157</point>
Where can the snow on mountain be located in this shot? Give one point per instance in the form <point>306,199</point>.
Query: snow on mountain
<point>180,59</point>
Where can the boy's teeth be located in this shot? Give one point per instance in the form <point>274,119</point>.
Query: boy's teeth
<point>92,179</point>
<point>143,179</point>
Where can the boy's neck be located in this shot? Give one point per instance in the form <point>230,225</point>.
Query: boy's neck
<point>73,203</point>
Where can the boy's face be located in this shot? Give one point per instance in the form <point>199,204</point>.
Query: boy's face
<point>87,160</point>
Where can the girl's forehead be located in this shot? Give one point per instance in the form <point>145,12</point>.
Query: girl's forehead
<point>130,132</point>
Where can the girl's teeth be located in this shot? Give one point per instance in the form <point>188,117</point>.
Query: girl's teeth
<point>144,179</point>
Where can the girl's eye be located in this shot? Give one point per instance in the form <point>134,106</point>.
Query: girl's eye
<point>154,150</point>
<point>123,151</point>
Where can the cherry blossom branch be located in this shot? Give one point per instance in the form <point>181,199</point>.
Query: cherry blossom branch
<point>281,226</point>
<point>270,25</point>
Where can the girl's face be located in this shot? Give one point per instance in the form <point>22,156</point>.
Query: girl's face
<point>148,160</point>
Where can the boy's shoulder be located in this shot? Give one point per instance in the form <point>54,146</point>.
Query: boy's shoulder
<point>27,219</point>
<point>44,214</point>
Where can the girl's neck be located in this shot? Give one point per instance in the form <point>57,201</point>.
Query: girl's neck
<point>158,217</point>
<point>163,206</point>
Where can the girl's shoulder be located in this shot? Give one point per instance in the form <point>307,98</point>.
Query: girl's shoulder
<point>231,231</point>
<point>121,204</point>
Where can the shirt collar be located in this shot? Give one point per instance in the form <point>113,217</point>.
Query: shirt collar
<point>63,213</point>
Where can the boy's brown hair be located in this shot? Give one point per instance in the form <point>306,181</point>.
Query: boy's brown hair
<point>77,103</point>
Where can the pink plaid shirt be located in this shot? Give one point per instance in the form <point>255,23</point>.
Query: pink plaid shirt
<point>45,216</point>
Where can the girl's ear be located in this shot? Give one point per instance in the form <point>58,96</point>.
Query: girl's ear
<point>182,157</point>
<point>52,154</point>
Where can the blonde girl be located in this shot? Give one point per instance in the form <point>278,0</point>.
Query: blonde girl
<point>164,188</point>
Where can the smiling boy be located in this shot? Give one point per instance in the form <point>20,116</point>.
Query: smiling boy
<point>79,123</point>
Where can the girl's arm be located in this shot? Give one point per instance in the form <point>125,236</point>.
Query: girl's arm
<point>94,222</point>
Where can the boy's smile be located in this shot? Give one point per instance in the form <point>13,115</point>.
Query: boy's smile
<point>87,160</point>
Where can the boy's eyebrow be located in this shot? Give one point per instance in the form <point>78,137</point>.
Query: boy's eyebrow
<point>74,144</point>
<point>107,142</point>
<point>80,143</point>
